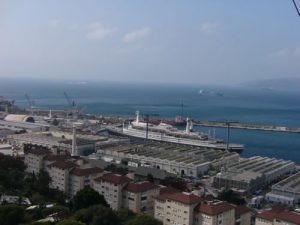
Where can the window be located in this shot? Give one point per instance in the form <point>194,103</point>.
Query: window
<point>143,198</point>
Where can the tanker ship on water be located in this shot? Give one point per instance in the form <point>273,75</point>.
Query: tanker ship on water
<point>168,133</point>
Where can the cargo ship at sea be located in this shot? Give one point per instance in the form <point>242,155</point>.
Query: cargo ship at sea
<point>168,133</point>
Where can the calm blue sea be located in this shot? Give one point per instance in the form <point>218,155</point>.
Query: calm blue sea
<point>257,106</point>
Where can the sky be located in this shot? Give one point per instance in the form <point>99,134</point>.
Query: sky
<point>206,42</point>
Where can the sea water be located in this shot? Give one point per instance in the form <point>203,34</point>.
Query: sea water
<point>238,104</point>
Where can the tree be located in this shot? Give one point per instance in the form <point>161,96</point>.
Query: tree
<point>144,219</point>
<point>97,215</point>
<point>150,177</point>
<point>43,182</point>
<point>113,168</point>
<point>174,182</point>
<point>125,215</point>
<point>87,197</point>
<point>11,172</point>
<point>70,222</point>
<point>11,214</point>
<point>231,197</point>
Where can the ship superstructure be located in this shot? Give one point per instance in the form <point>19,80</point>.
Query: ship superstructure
<point>168,133</point>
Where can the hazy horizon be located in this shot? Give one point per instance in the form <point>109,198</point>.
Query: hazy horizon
<point>210,43</point>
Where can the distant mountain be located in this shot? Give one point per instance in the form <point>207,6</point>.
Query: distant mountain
<point>284,84</point>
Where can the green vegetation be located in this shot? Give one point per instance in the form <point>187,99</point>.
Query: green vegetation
<point>115,169</point>
<point>11,214</point>
<point>144,219</point>
<point>97,215</point>
<point>11,173</point>
<point>231,197</point>
<point>174,182</point>
<point>87,197</point>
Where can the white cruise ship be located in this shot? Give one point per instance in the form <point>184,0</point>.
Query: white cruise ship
<point>167,133</point>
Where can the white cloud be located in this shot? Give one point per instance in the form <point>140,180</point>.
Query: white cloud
<point>211,27</point>
<point>137,35</point>
<point>297,51</point>
<point>96,31</point>
<point>55,23</point>
<point>280,53</point>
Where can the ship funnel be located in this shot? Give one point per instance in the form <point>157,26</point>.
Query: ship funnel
<point>191,126</point>
<point>137,116</point>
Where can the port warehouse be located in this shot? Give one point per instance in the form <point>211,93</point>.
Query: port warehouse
<point>251,174</point>
<point>173,158</point>
<point>246,174</point>
<point>286,191</point>
<point>54,140</point>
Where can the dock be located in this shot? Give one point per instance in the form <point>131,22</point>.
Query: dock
<point>235,125</point>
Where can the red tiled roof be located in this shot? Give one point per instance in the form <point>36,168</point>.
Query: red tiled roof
<point>241,209</point>
<point>38,152</point>
<point>184,198</point>
<point>213,208</point>
<point>165,192</point>
<point>63,165</point>
<point>114,178</point>
<point>289,216</point>
<point>57,157</point>
<point>168,190</point>
<point>269,215</point>
<point>86,171</point>
<point>141,187</point>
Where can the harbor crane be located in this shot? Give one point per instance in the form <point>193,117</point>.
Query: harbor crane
<point>227,122</point>
<point>73,111</point>
<point>296,7</point>
<point>31,103</point>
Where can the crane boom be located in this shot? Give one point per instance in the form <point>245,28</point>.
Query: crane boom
<point>71,103</point>
<point>296,7</point>
<point>30,102</point>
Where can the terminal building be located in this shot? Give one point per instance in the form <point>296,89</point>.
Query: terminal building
<point>249,175</point>
<point>176,159</point>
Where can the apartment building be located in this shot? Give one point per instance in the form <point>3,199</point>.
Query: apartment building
<point>173,207</point>
<point>243,215</point>
<point>34,160</point>
<point>214,212</point>
<point>80,178</point>
<point>278,217</point>
<point>176,208</point>
<point>68,174</point>
<point>111,187</point>
<point>139,197</point>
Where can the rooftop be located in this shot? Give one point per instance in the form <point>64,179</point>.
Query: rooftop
<point>63,165</point>
<point>213,208</point>
<point>241,209</point>
<point>289,216</point>
<point>141,187</point>
<point>114,178</point>
<point>86,171</point>
<point>185,198</point>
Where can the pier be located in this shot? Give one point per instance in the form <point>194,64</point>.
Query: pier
<point>236,125</point>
